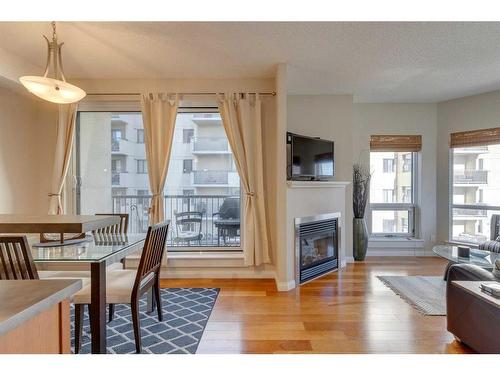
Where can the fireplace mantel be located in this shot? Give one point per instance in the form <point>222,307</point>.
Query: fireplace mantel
<point>317,184</point>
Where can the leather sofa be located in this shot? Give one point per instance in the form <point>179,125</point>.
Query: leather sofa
<point>470,319</point>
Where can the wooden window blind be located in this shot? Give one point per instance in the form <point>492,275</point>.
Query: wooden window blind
<point>410,143</point>
<point>481,137</point>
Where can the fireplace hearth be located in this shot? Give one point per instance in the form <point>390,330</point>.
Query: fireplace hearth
<point>316,245</point>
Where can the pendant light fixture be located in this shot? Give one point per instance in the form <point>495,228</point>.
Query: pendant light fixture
<point>56,89</point>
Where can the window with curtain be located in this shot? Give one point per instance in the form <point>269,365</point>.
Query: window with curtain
<point>475,171</point>
<point>202,181</point>
<point>393,162</point>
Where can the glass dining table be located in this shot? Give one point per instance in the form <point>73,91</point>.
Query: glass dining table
<point>100,251</point>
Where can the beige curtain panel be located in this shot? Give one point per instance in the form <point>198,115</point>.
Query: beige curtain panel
<point>481,137</point>
<point>241,116</point>
<point>159,111</point>
<point>409,143</point>
<point>64,146</point>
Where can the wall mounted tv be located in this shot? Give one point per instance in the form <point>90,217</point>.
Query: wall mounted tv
<point>309,158</point>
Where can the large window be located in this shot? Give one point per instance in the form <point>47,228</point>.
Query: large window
<point>476,192</point>
<point>202,189</point>
<point>392,193</point>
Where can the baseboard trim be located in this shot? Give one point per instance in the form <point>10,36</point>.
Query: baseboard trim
<point>400,253</point>
<point>284,286</point>
<point>346,260</point>
<point>219,273</point>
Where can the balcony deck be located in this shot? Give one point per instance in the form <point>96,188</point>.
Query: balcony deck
<point>137,206</point>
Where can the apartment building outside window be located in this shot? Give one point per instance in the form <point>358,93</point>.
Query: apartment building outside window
<point>187,135</point>
<point>391,193</point>
<point>475,185</point>
<point>393,164</point>
<point>142,166</point>
<point>140,135</point>
<point>388,165</point>
<point>187,166</point>
<point>202,179</point>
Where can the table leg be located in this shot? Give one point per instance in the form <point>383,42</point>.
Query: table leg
<point>218,237</point>
<point>98,307</point>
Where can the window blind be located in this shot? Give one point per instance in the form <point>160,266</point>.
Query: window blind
<point>410,143</point>
<point>481,137</point>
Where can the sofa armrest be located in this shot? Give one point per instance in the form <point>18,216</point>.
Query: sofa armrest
<point>469,272</point>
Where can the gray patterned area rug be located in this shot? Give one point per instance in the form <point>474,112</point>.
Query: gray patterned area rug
<point>427,294</point>
<point>185,315</point>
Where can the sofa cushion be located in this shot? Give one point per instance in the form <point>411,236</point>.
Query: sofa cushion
<point>493,246</point>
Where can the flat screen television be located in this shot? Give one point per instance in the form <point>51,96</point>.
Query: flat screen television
<point>309,158</point>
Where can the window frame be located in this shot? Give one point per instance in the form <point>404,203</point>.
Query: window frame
<point>140,136</point>
<point>122,105</point>
<point>410,207</point>
<point>187,162</point>
<point>452,206</point>
<point>144,163</point>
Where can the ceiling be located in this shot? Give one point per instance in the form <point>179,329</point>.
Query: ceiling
<point>375,61</point>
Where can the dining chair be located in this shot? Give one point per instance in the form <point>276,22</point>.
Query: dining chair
<point>127,286</point>
<point>16,261</point>
<point>120,228</point>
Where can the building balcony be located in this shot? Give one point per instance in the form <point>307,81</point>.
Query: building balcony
<point>126,179</point>
<point>471,177</point>
<point>473,214</point>
<point>215,178</point>
<point>210,145</point>
<point>471,150</point>
<point>122,147</point>
<point>207,119</point>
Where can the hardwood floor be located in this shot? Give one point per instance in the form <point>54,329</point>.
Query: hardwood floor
<point>350,311</point>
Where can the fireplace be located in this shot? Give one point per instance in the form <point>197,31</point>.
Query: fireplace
<point>316,245</point>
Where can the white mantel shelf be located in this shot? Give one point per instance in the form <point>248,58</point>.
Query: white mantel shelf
<point>317,184</point>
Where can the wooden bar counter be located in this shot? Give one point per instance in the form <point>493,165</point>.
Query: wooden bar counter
<point>35,317</point>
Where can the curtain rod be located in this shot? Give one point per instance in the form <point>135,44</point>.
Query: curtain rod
<point>272,93</point>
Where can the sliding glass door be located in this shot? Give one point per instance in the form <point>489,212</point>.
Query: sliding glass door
<point>202,191</point>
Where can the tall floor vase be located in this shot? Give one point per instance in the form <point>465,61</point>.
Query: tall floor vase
<point>360,238</point>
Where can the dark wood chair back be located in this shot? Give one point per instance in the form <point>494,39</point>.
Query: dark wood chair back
<point>120,228</point>
<point>149,266</point>
<point>16,261</point>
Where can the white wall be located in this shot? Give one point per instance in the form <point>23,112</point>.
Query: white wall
<point>27,128</point>
<point>470,113</point>
<point>403,119</point>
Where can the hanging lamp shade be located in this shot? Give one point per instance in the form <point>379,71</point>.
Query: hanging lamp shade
<point>56,89</point>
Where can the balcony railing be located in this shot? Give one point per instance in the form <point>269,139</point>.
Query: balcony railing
<point>214,231</point>
<point>210,144</point>
<point>210,177</point>
<point>471,177</point>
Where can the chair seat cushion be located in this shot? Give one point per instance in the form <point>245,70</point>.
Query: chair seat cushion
<point>119,285</point>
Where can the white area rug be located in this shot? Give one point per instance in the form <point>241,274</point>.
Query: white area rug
<point>427,294</point>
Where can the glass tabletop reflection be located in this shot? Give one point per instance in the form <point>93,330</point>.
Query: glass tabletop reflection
<point>97,249</point>
<point>481,258</point>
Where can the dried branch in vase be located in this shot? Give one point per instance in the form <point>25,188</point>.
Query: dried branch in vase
<point>360,189</point>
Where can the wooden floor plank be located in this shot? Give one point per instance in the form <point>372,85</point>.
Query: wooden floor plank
<point>349,311</point>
